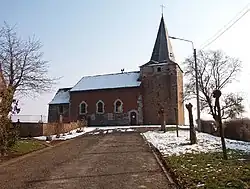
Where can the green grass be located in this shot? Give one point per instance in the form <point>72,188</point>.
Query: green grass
<point>26,146</point>
<point>210,171</point>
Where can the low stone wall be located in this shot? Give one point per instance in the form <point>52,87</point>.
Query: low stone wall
<point>44,129</point>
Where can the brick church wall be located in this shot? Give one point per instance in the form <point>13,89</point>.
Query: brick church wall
<point>128,96</point>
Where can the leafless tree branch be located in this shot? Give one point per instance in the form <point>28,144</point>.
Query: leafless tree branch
<point>22,62</point>
<point>215,71</point>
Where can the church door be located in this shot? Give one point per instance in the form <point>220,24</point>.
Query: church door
<point>133,118</point>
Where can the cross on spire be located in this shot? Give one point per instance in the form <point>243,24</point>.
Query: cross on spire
<point>162,7</point>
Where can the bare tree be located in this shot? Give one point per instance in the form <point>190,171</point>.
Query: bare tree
<point>215,71</point>
<point>217,95</point>
<point>22,63</point>
<point>22,70</point>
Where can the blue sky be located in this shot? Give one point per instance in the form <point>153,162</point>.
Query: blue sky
<point>83,37</point>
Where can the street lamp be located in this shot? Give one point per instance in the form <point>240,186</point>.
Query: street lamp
<point>196,79</point>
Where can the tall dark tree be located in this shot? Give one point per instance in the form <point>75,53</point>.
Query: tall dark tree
<point>23,70</point>
<point>215,71</point>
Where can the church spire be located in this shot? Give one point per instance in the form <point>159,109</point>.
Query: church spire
<point>162,51</point>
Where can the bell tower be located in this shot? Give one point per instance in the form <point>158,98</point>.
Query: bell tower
<point>162,82</point>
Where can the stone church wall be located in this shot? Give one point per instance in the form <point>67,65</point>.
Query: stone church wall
<point>160,87</point>
<point>128,96</point>
<point>54,113</point>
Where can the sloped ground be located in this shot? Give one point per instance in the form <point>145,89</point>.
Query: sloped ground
<point>201,165</point>
<point>23,146</point>
<point>114,160</point>
<point>169,144</point>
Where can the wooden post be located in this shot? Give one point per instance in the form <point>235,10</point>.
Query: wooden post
<point>193,138</point>
<point>216,95</point>
<point>162,119</point>
<point>176,116</point>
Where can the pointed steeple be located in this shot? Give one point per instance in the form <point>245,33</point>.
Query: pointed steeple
<point>162,51</point>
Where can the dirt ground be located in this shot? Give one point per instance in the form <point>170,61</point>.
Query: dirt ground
<point>116,160</point>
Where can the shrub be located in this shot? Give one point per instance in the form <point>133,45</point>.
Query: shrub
<point>238,129</point>
<point>8,134</point>
<point>208,126</point>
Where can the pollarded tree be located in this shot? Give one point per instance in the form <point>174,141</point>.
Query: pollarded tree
<point>215,71</point>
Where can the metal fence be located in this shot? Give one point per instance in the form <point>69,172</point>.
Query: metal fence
<point>30,118</point>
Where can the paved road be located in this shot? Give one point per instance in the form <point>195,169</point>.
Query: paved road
<point>117,160</point>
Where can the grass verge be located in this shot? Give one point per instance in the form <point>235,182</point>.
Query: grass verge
<point>26,146</point>
<point>210,171</point>
<point>23,146</point>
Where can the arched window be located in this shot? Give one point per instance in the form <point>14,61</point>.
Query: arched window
<point>118,106</point>
<point>83,108</point>
<point>100,107</point>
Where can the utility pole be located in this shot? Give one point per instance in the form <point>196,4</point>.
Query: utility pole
<point>197,92</point>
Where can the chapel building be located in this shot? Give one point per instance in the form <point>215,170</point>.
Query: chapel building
<point>127,98</point>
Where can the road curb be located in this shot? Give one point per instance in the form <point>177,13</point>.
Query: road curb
<point>159,161</point>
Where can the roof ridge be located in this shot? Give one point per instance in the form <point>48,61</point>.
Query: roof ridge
<point>65,88</point>
<point>110,74</point>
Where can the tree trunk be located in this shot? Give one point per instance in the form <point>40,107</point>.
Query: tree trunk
<point>216,95</point>
<point>193,138</point>
<point>222,135</point>
<point>177,124</point>
<point>162,119</point>
<point>163,125</point>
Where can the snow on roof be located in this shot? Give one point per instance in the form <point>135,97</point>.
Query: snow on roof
<point>61,96</point>
<point>108,81</point>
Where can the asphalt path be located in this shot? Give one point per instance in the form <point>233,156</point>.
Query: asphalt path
<point>116,160</point>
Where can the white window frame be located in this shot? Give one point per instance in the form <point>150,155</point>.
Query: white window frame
<point>103,105</point>
<point>118,100</point>
<point>86,108</point>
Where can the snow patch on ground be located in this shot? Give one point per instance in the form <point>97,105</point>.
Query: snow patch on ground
<point>69,135</point>
<point>138,126</point>
<point>169,144</point>
<point>108,130</point>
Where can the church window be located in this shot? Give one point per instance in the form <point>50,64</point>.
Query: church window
<point>100,107</point>
<point>83,108</point>
<point>118,106</point>
<point>159,69</point>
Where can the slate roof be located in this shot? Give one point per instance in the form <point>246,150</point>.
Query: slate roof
<point>108,81</point>
<point>162,50</point>
<point>61,97</point>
